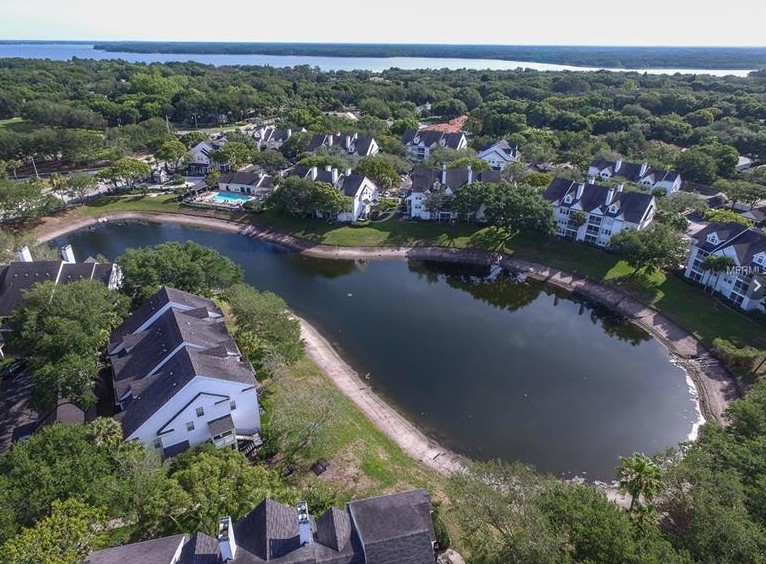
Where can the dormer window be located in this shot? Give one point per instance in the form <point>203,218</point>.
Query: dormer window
<point>613,208</point>
<point>760,258</point>
<point>567,199</point>
<point>713,238</point>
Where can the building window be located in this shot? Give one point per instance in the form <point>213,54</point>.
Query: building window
<point>200,411</point>
<point>157,443</point>
<point>232,405</point>
<point>190,426</point>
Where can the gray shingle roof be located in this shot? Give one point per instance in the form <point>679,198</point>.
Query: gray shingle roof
<point>155,551</point>
<point>200,549</point>
<point>744,241</point>
<point>220,425</point>
<point>173,450</point>
<point>160,299</point>
<point>633,206</point>
<point>424,179</point>
<point>395,528</point>
<point>429,138</point>
<point>334,529</point>
<point>351,184</point>
<point>17,277</point>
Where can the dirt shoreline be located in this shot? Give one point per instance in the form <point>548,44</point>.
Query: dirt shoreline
<point>714,386</point>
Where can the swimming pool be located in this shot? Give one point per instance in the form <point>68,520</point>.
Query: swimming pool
<point>229,198</point>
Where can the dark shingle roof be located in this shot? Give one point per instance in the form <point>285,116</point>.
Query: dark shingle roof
<point>725,232</point>
<point>432,138</point>
<point>334,529</point>
<point>200,549</point>
<point>268,531</point>
<point>160,299</point>
<point>220,425</point>
<point>155,551</point>
<point>424,179</point>
<point>633,206</point>
<point>351,184</point>
<point>17,277</point>
<point>395,528</point>
<point>240,177</point>
<point>363,145</point>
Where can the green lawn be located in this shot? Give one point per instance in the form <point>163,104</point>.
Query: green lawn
<point>17,125</point>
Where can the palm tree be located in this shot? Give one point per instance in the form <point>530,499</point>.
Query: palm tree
<point>639,477</point>
<point>108,432</point>
<point>717,264</point>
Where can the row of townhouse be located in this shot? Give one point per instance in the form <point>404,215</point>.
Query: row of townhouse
<point>640,174</point>
<point>362,192</point>
<point>392,528</point>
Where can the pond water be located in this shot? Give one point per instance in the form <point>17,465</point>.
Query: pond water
<point>490,366</point>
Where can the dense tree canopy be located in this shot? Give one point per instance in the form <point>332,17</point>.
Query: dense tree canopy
<point>186,266</point>
<point>63,329</point>
<point>651,249</point>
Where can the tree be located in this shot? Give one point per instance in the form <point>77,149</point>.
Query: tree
<point>265,323</point>
<point>80,184</point>
<point>221,482</point>
<point>650,249</point>
<point>578,218</point>
<point>64,537</point>
<point>185,266</point>
<point>495,505</point>
<point>324,159</point>
<point>270,160</point>
<point>727,216</point>
<point>85,311</point>
<point>740,191</point>
<point>234,154</point>
<point>25,201</point>
<point>379,170</point>
<point>126,171</point>
<point>717,264</point>
<point>696,165</point>
<point>683,202</point>
<point>520,208</point>
<point>172,151</point>
<point>299,416</point>
<point>640,478</point>
<point>327,200</point>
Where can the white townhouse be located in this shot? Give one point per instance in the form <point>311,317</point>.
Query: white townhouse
<point>200,161</point>
<point>607,210</point>
<point>362,191</point>
<point>271,137</point>
<point>499,154</point>
<point>420,143</point>
<point>637,173</point>
<point>743,284</point>
<point>246,182</point>
<point>179,378</point>
<point>353,145</point>
<point>429,181</point>
<point>363,194</point>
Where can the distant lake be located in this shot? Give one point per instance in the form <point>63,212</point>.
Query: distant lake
<point>66,51</point>
<point>490,366</point>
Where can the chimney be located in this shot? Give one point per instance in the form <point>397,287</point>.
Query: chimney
<point>444,173</point>
<point>24,255</point>
<point>609,196</point>
<point>313,173</point>
<point>67,254</point>
<point>304,524</point>
<point>580,190</point>
<point>617,165</point>
<point>470,173</point>
<point>334,176</point>
<point>620,187</point>
<point>329,140</point>
<point>348,172</point>
<point>644,168</point>
<point>289,133</point>
<point>226,543</point>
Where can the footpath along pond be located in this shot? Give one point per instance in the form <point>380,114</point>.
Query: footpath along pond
<point>488,365</point>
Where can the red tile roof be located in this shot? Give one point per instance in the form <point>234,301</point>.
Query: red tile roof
<point>452,126</point>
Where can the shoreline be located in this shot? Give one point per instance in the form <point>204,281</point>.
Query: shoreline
<point>713,386</point>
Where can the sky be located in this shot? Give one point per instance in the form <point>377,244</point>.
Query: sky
<point>500,22</point>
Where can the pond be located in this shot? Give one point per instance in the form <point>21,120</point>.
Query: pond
<point>489,365</point>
